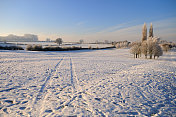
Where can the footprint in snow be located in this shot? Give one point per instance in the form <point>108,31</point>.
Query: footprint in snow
<point>48,110</point>
<point>5,110</point>
<point>22,108</point>
<point>9,101</point>
<point>98,99</point>
<point>24,102</point>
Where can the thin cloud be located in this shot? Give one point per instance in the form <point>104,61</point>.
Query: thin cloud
<point>118,27</point>
<point>80,23</point>
<point>164,28</point>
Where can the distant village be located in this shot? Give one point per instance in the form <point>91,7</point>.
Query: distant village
<point>15,38</point>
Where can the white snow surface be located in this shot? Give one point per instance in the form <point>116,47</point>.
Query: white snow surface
<point>86,83</point>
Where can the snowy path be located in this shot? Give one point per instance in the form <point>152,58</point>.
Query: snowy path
<point>86,83</point>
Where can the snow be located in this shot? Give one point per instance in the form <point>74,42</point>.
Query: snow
<point>86,83</point>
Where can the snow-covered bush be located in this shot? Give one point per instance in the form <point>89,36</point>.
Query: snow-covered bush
<point>37,47</point>
<point>89,47</point>
<point>29,47</point>
<point>122,44</point>
<point>34,47</point>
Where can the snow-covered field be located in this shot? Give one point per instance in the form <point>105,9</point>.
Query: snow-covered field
<point>86,83</point>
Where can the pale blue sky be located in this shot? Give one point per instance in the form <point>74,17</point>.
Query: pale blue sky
<point>87,19</point>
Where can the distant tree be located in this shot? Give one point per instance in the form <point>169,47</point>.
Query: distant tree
<point>4,41</point>
<point>96,41</point>
<point>48,39</point>
<point>106,41</point>
<point>117,45</point>
<point>165,47</point>
<point>144,33</point>
<point>81,41</point>
<point>151,30</point>
<point>59,41</point>
<point>114,43</point>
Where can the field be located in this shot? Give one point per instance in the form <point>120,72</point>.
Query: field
<point>86,83</point>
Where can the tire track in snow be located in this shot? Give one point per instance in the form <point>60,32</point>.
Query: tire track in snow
<point>72,73</point>
<point>78,93</point>
<point>80,89</point>
<point>74,85</point>
<point>41,96</point>
<point>50,84</point>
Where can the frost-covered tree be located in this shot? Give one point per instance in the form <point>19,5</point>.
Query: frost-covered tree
<point>151,30</point>
<point>136,50</point>
<point>157,51</point>
<point>144,33</point>
<point>117,45</point>
<point>150,45</point>
<point>144,48</point>
<point>165,47</point>
<point>122,44</point>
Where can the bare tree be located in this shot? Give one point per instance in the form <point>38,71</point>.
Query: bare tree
<point>151,30</point>
<point>106,41</point>
<point>144,33</point>
<point>59,41</point>
<point>96,41</point>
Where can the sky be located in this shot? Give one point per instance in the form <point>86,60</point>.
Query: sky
<point>90,20</point>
